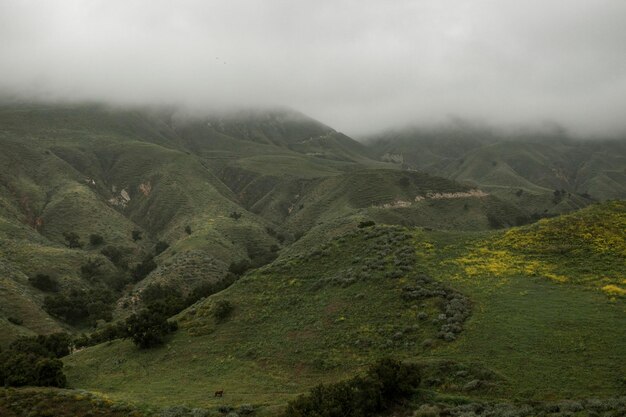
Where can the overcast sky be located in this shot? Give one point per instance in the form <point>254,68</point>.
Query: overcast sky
<point>358,66</point>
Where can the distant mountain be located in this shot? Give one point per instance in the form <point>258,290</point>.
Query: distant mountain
<point>543,172</point>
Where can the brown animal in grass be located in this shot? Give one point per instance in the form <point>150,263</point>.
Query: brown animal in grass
<point>219,393</point>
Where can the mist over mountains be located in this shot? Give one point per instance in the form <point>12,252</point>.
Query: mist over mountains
<point>361,67</point>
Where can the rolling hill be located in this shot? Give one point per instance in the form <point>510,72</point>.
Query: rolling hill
<point>322,313</point>
<point>542,172</point>
<point>477,257</point>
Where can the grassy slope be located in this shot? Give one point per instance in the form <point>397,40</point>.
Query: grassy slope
<point>296,323</point>
<point>535,164</point>
<point>388,196</point>
<point>66,168</point>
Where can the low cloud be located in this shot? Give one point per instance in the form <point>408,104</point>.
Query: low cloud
<point>359,66</point>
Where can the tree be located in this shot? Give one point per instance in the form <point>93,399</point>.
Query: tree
<point>148,329</point>
<point>72,239</point>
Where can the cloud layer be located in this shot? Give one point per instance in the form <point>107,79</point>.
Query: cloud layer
<point>358,66</point>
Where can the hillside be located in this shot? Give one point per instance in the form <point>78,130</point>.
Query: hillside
<point>524,169</point>
<point>324,312</point>
<point>460,251</point>
<point>217,189</point>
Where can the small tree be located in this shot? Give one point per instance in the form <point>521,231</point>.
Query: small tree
<point>72,239</point>
<point>148,329</point>
<point>188,229</point>
<point>235,215</point>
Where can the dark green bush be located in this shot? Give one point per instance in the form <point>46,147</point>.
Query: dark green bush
<point>91,269</point>
<point>96,240</point>
<point>72,239</point>
<point>80,306</point>
<point>385,383</point>
<point>222,310</point>
<point>116,255</point>
<point>148,329</point>
<point>34,361</point>
<point>44,282</point>
<point>141,270</point>
<point>136,235</point>
<point>160,247</point>
<point>368,223</point>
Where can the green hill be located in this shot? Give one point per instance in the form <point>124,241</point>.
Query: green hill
<point>323,313</point>
<point>524,169</point>
<point>406,247</point>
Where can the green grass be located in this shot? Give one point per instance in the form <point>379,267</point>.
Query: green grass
<point>299,322</point>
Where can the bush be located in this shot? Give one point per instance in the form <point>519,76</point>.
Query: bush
<point>235,215</point>
<point>222,310</point>
<point>148,328</point>
<point>368,223</point>
<point>91,269</point>
<point>385,382</point>
<point>25,368</point>
<point>116,256</point>
<point>44,282</point>
<point>42,351</point>
<point>136,235</point>
<point>80,306</point>
<point>142,269</point>
<point>96,240</point>
<point>188,229</point>
<point>15,320</point>
<point>160,247</point>
<point>72,239</point>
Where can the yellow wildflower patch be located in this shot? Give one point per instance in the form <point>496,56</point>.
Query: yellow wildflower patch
<point>614,290</point>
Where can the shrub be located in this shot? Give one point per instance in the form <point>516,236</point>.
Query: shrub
<point>235,215</point>
<point>91,269</point>
<point>160,247</point>
<point>44,282</point>
<point>80,306</point>
<point>96,240</point>
<point>116,256</point>
<point>15,320</point>
<point>142,269</point>
<point>368,223</point>
<point>384,383</point>
<point>72,239</point>
<point>25,368</point>
<point>188,229</point>
<point>136,235</point>
<point>148,329</point>
<point>222,310</point>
